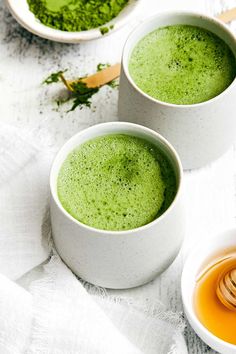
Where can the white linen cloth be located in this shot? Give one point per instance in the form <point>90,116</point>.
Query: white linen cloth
<point>54,313</point>
<point>24,171</point>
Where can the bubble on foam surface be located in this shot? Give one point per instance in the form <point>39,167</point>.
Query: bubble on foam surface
<point>182,64</point>
<point>116,182</point>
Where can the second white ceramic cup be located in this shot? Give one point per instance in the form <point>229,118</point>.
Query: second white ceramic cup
<point>118,259</point>
<point>200,132</point>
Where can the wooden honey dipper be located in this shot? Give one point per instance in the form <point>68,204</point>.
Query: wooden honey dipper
<point>226,289</point>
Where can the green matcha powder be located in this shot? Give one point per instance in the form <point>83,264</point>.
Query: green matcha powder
<point>76,15</point>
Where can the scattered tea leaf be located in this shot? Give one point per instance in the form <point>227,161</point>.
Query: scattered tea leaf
<point>81,94</point>
<point>54,77</point>
<point>104,30</point>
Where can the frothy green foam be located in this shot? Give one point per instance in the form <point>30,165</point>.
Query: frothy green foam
<point>182,64</point>
<point>116,182</point>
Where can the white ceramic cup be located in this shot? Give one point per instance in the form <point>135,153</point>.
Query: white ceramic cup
<point>200,132</point>
<point>118,259</point>
<point>192,267</point>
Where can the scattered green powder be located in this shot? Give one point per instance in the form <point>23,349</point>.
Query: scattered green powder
<point>82,95</point>
<point>106,29</point>
<point>54,77</point>
<point>76,15</point>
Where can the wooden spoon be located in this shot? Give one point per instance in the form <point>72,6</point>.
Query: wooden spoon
<point>99,79</point>
<point>226,290</point>
<point>227,16</point>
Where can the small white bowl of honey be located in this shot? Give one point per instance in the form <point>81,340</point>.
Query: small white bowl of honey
<point>209,291</point>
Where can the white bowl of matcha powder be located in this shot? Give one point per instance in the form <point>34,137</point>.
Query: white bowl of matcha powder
<point>72,21</point>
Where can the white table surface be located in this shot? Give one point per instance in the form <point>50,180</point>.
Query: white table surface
<point>25,60</point>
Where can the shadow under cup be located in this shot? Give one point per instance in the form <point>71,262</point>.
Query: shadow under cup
<point>199,132</point>
<point>118,259</point>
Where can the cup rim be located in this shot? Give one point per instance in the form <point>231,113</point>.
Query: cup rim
<point>149,132</point>
<point>126,50</point>
<point>189,309</point>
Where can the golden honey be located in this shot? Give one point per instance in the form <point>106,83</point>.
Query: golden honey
<point>216,317</point>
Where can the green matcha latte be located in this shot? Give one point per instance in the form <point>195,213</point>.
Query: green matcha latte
<point>116,182</point>
<point>182,64</point>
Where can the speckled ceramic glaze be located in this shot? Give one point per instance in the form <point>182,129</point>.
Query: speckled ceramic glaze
<point>199,132</point>
<point>20,10</point>
<point>118,259</point>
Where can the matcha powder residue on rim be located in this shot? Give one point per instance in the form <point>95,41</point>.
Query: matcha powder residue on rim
<point>75,15</point>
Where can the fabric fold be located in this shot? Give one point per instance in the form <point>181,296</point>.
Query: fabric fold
<point>24,175</point>
<point>57,313</point>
